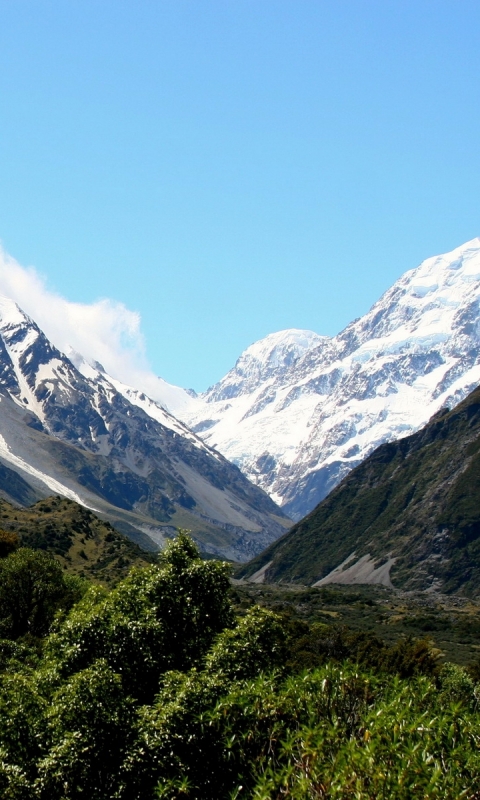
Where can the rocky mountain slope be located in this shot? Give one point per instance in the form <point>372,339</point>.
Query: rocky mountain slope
<point>299,411</point>
<point>76,432</point>
<point>408,516</point>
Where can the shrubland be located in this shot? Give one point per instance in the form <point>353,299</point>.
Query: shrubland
<point>160,688</point>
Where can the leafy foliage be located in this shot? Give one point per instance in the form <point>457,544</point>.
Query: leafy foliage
<point>32,589</point>
<point>160,618</point>
<point>87,731</point>
<point>155,689</point>
<point>356,738</point>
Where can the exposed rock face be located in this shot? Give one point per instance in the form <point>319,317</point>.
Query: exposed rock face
<point>299,411</point>
<point>67,427</point>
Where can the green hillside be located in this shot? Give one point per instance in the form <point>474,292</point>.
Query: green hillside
<point>83,543</point>
<point>413,506</point>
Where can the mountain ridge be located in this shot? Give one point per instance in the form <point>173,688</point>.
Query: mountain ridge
<point>298,427</point>
<point>110,447</point>
<point>83,543</point>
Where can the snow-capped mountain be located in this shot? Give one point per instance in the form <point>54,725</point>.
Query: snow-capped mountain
<point>298,410</point>
<point>67,427</point>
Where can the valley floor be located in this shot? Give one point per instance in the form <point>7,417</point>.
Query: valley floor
<point>451,622</point>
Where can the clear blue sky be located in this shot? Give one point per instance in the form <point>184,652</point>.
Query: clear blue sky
<point>232,168</point>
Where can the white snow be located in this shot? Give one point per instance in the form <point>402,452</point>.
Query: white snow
<point>271,350</point>
<point>10,313</point>
<point>56,487</point>
<point>307,401</point>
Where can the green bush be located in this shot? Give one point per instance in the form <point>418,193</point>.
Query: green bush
<point>87,729</point>
<point>316,644</point>
<point>160,618</point>
<point>33,588</point>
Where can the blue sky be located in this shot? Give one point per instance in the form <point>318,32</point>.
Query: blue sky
<point>230,168</point>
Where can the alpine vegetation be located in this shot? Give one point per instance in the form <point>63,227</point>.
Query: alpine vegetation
<point>155,689</point>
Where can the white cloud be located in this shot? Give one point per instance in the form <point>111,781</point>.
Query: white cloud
<point>104,331</point>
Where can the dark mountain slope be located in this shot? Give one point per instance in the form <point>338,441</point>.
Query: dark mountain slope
<point>15,489</point>
<point>408,516</point>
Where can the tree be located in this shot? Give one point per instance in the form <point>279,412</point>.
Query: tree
<point>88,725</point>
<point>163,617</point>
<point>32,589</point>
<point>181,740</point>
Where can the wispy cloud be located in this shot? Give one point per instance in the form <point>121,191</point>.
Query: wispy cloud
<point>105,331</point>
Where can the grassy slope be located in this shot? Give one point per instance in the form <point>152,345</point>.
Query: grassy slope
<point>417,499</point>
<point>83,543</point>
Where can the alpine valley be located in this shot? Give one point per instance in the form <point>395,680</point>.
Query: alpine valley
<point>67,428</point>
<point>298,411</point>
<point>264,445</point>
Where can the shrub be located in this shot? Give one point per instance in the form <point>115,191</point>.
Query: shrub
<point>33,588</point>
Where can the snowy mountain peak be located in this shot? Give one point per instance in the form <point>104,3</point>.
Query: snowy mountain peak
<point>298,410</point>
<point>445,278</point>
<point>454,260</point>
<point>11,313</point>
<point>279,350</point>
<point>420,309</point>
<point>263,360</point>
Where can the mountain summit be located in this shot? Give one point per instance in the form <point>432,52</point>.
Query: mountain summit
<point>69,428</point>
<point>299,411</point>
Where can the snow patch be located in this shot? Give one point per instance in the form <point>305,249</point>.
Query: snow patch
<point>54,485</point>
